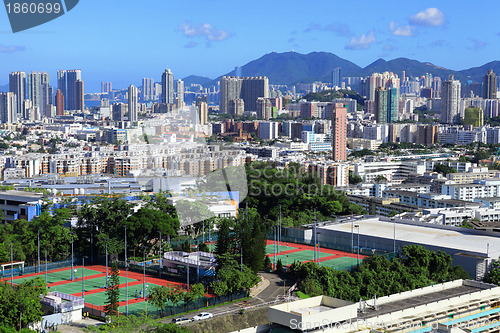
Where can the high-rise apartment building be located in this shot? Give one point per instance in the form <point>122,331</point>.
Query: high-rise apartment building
<point>59,103</point>
<point>450,101</point>
<point>148,89</point>
<point>79,95</point>
<point>61,83</point>
<point>381,105</point>
<point>202,110</point>
<point>72,76</point>
<point>17,85</point>
<point>132,103</point>
<point>119,111</point>
<point>490,85</point>
<point>339,132</point>
<point>8,106</point>
<point>268,130</point>
<point>336,78</point>
<point>264,108</point>
<point>230,89</point>
<point>249,89</point>
<point>106,87</point>
<point>180,94</point>
<point>167,87</point>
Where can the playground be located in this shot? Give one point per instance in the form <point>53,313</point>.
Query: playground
<point>290,252</point>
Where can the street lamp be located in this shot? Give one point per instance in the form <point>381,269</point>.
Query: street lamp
<point>352,236</point>
<point>187,265</point>
<point>357,226</point>
<point>197,263</point>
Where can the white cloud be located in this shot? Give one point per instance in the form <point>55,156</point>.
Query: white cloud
<point>190,45</point>
<point>431,17</point>
<point>362,42</point>
<point>401,30</point>
<point>11,48</point>
<point>205,30</point>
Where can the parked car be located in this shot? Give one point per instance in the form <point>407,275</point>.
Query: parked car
<point>181,320</point>
<point>203,315</point>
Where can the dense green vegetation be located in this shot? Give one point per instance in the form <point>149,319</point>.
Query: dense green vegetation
<point>444,169</point>
<point>135,324</point>
<point>415,268</point>
<point>361,153</point>
<point>330,95</point>
<point>300,196</point>
<point>354,179</point>
<point>20,305</point>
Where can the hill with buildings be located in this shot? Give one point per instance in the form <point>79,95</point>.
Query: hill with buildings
<point>290,68</point>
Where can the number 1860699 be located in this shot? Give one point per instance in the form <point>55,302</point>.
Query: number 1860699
<point>33,8</point>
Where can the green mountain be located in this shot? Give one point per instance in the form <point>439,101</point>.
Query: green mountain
<point>292,68</point>
<point>188,80</point>
<point>476,73</point>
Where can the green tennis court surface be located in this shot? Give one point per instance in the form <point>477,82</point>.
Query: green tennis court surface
<point>340,263</point>
<point>300,256</point>
<point>270,248</point>
<point>100,298</point>
<point>60,276</point>
<point>90,284</point>
<point>139,307</point>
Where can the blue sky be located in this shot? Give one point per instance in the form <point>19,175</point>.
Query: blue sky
<point>122,40</point>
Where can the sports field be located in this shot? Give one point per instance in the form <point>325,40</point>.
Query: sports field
<point>95,283</point>
<point>290,252</point>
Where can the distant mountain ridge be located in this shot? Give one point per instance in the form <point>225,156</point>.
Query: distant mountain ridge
<point>4,88</point>
<point>292,68</point>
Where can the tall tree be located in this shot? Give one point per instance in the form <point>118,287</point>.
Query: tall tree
<point>113,291</point>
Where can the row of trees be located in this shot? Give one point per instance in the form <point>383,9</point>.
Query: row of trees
<point>416,267</point>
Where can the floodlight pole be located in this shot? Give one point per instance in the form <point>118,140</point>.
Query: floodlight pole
<point>45,266</point>
<point>126,274</point>
<point>72,259</point>
<point>38,239</point>
<point>161,258</point>
<point>144,274</point>
<point>11,266</point>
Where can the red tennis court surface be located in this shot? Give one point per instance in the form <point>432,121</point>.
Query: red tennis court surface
<point>95,281</point>
<point>290,252</point>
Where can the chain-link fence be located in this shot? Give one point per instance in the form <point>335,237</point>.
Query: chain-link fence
<point>37,269</point>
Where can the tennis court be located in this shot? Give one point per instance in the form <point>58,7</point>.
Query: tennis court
<point>135,308</point>
<point>300,256</point>
<point>304,253</point>
<point>270,248</point>
<point>90,284</point>
<point>100,298</point>
<point>59,275</point>
<point>340,263</point>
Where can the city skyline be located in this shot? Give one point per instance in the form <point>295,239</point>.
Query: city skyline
<point>419,31</point>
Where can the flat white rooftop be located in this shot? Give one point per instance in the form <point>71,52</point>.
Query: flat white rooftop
<point>461,239</point>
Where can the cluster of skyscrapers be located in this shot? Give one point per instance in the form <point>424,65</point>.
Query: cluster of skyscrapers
<point>31,97</point>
